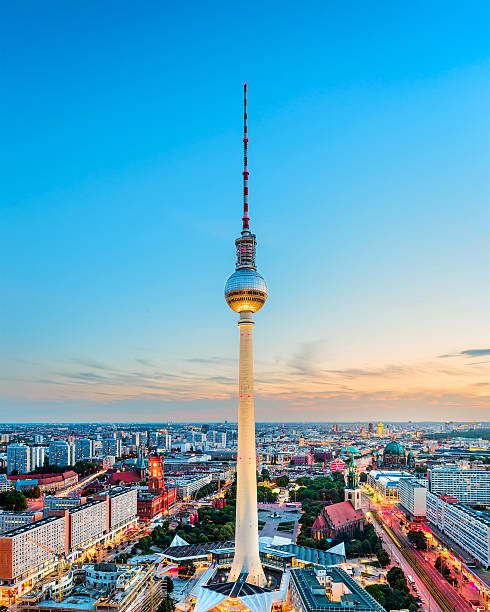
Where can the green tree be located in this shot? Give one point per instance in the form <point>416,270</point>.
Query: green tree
<point>265,474</point>
<point>383,557</point>
<point>282,481</point>
<point>363,477</point>
<point>13,500</point>
<point>418,539</point>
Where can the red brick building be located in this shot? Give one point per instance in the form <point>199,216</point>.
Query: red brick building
<point>158,498</point>
<point>336,519</point>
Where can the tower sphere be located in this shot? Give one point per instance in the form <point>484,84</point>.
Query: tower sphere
<point>245,290</point>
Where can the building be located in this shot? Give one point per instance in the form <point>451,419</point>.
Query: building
<point>320,589</point>
<point>87,523</point>
<point>386,484</point>
<point>112,446</point>
<point>37,456</point>
<point>187,485</point>
<point>469,486</point>
<point>104,587</point>
<point>84,449</point>
<point>18,459</point>
<point>157,498</point>
<point>47,483</point>
<point>123,507</point>
<point>394,456</point>
<point>336,519</point>
<point>371,428</point>
<point>38,439</point>
<point>5,483</point>
<point>53,502</point>
<point>468,528</point>
<point>412,498</point>
<point>344,517</point>
<point>379,429</point>
<point>12,520</point>
<point>24,551</point>
<point>60,453</point>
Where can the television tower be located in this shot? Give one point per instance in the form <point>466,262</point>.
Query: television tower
<point>246,293</point>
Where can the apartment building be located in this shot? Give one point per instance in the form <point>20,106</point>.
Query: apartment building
<point>469,486</point>
<point>60,453</point>
<point>12,520</point>
<point>88,522</point>
<point>18,459</point>
<point>412,497</point>
<point>84,449</point>
<point>468,528</point>
<point>23,551</point>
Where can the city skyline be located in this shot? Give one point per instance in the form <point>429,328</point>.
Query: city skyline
<point>122,186</point>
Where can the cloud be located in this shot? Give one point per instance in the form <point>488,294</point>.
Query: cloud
<point>468,353</point>
<point>306,361</point>
<point>476,352</point>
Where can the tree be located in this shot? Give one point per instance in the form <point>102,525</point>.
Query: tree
<point>396,579</point>
<point>383,557</point>
<point>363,477</point>
<point>282,481</point>
<point>265,474</point>
<point>33,493</point>
<point>418,539</point>
<point>13,500</point>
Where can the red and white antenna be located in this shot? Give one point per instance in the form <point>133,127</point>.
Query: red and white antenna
<point>246,218</point>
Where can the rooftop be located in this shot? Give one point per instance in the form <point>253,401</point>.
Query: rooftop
<point>315,598</point>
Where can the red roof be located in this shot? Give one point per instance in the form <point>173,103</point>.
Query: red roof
<point>342,513</point>
<point>123,477</point>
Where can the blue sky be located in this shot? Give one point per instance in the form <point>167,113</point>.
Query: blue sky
<point>121,194</point>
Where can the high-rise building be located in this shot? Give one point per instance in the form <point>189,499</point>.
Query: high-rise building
<point>18,458</point>
<point>413,496</point>
<point>84,449</point>
<point>468,486</point>
<point>246,293</point>
<point>371,428</point>
<point>469,528</point>
<point>380,428</point>
<point>38,439</point>
<point>60,453</point>
<point>112,446</point>
<point>37,456</point>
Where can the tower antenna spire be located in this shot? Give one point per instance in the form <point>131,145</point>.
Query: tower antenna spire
<point>246,218</point>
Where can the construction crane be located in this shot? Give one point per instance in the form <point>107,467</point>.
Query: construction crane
<point>61,557</point>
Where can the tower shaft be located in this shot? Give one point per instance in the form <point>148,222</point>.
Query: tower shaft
<point>246,559</point>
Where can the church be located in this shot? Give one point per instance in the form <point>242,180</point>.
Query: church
<point>344,517</point>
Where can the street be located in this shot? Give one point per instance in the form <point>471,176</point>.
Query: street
<point>427,579</point>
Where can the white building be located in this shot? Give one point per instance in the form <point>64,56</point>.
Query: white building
<point>87,523</point>
<point>12,520</point>
<point>5,483</point>
<point>122,507</point>
<point>469,486</point>
<point>37,456</point>
<point>18,458</point>
<point>412,496</point>
<point>468,528</point>
<point>188,485</point>
<point>386,483</point>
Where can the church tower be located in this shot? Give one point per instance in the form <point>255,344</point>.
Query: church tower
<point>352,491</point>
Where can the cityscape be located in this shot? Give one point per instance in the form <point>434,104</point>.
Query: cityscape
<point>331,452</point>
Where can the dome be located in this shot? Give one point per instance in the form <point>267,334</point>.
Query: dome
<point>245,290</point>
<point>394,448</point>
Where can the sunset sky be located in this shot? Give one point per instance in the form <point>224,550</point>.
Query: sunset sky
<point>120,200</point>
